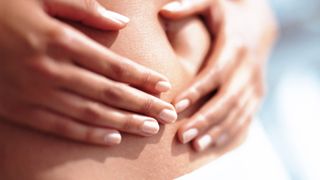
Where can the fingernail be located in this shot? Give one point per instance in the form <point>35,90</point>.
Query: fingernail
<point>182,105</point>
<point>150,127</point>
<point>168,116</point>
<point>115,16</point>
<point>173,6</point>
<point>204,142</point>
<point>163,86</point>
<point>112,138</point>
<point>222,140</point>
<point>189,135</point>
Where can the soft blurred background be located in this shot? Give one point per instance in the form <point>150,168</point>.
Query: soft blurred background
<point>291,113</point>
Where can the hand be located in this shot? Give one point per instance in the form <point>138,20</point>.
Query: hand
<point>243,34</point>
<point>55,79</point>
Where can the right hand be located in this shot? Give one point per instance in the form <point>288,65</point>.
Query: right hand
<point>55,79</point>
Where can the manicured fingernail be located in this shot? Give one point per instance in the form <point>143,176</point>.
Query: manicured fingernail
<point>112,138</point>
<point>182,105</point>
<point>204,142</point>
<point>150,127</point>
<point>163,86</point>
<point>173,6</point>
<point>115,16</point>
<point>222,140</point>
<point>168,116</point>
<point>189,135</point>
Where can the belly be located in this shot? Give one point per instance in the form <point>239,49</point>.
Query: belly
<point>32,155</point>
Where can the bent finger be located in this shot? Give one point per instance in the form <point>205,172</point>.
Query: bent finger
<point>225,132</point>
<point>88,12</point>
<point>220,65</point>
<point>213,113</point>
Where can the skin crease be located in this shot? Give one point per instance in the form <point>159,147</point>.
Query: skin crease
<point>37,156</point>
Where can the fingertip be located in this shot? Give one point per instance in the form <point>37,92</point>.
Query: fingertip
<point>202,143</point>
<point>163,86</point>
<point>172,7</point>
<point>182,105</point>
<point>112,138</point>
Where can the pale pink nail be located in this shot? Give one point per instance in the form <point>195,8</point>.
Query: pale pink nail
<point>173,6</point>
<point>112,138</point>
<point>163,86</point>
<point>189,135</point>
<point>168,116</point>
<point>204,142</point>
<point>113,15</point>
<point>150,127</point>
<point>182,105</point>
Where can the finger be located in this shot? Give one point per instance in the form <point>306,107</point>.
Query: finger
<point>98,59</point>
<point>114,94</point>
<point>226,131</point>
<point>221,64</point>
<point>63,126</point>
<point>213,112</point>
<point>88,12</point>
<point>185,8</point>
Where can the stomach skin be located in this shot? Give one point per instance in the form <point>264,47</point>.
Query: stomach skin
<point>150,41</point>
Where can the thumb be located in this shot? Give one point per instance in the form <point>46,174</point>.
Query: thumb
<point>88,12</point>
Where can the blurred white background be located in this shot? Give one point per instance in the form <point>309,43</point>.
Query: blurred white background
<point>291,113</point>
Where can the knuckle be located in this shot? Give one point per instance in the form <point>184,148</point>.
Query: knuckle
<point>146,77</point>
<point>89,135</point>
<point>56,35</point>
<point>90,113</point>
<point>128,123</point>
<point>119,70</point>
<point>62,127</point>
<point>43,68</point>
<point>147,106</point>
<point>114,93</point>
<point>90,5</point>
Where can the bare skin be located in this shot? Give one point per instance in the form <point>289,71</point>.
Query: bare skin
<point>244,32</point>
<point>55,79</point>
<point>34,155</point>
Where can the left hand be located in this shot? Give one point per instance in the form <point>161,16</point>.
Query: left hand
<point>244,32</point>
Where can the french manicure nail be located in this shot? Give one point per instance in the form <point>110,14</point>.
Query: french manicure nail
<point>115,16</point>
<point>150,127</point>
<point>163,86</point>
<point>204,142</point>
<point>112,138</point>
<point>182,105</point>
<point>189,135</point>
<point>168,116</point>
<point>173,6</point>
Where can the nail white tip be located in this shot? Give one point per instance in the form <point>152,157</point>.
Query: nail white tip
<point>173,6</point>
<point>163,86</point>
<point>169,116</point>
<point>115,16</point>
<point>182,105</point>
<point>204,142</point>
<point>150,127</point>
<point>189,135</point>
<point>112,138</point>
